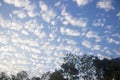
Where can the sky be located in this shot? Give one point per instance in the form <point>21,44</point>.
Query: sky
<point>36,34</point>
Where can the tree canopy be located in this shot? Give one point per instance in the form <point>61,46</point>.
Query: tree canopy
<point>75,67</point>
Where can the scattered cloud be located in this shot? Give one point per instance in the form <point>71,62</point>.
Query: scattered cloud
<point>105,4</point>
<point>96,47</point>
<point>18,3</point>
<point>7,48</point>
<point>35,35</point>
<point>99,22</point>
<point>70,32</point>
<point>90,34</point>
<point>21,14</point>
<point>43,6</point>
<point>47,14</point>
<point>118,14</point>
<point>82,2</point>
<point>86,43</point>
<point>111,40</point>
<point>0,4</point>
<point>74,21</point>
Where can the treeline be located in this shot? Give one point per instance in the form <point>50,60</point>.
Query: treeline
<point>76,67</point>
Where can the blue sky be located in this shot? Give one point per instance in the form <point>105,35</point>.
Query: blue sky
<point>36,34</point>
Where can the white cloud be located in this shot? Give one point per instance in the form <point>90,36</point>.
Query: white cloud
<point>57,3</point>
<point>24,32</point>
<point>13,25</point>
<point>26,8</point>
<point>105,4</point>
<point>100,56</point>
<point>35,50</point>
<point>7,48</point>
<point>3,39</point>
<point>82,2</point>
<point>43,6</point>
<point>39,34</point>
<point>117,35</point>
<point>18,3</point>
<point>70,41</point>
<point>86,44</point>
<point>32,13</point>
<point>46,13</point>
<point>0,4</point>
<point>118,14</point>
<point>111,40</point>
<point>16,26</point>
<point>90,34</point>
<point>70,32</point>
<point>68,48</point>
<point>96,47</point>
<point>99,22</point>
<point>45,17</point>
<point>74,21</point>
<point>20,13</point>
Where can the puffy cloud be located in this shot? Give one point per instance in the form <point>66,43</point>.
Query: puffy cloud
<point>31,44</point>
<point>118,14</point>
<point>69,19</point>
<point>86,44</point>
<point>16,26</point>
<point>58,3</point>
<point>100,56</point>
<point>0,4</point>
<point>90,34</point>
<point>24,32</point>
<point>111,40</point>
<point>105,4</point>
<point>3,39</point>
<point>70,41</point>
<point>47,14</point>
<point>43,6</point>
<point>20,13</point>
<point>70,32</point>
<point>32,13</point>
<point>26,8</point>
<point>7,48</point>
<point>12,25</point>
<point>68,48</point>
<point>18,3</point>
<point>96,47</point>
<point>82,2</point>
<point>99,22</point>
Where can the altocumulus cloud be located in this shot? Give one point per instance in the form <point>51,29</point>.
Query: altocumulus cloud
<point>36,34</point>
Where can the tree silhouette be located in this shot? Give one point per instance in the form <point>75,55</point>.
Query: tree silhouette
<point>77,67</point>
<point>57,75</point>
<point>108,69</point>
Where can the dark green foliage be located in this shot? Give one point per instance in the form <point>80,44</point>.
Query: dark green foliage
<point>109,69</point>
<point>76,68</point>
<point>35,78</point>
<point>57,75</point>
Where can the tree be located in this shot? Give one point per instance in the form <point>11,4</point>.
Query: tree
<point>35,78</point>
<point>107,69</point>
<point>3,76</point>
<point>57,75</point>
<point>22,75</point>
<point>79,67</point>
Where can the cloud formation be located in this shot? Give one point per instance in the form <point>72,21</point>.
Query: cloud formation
<point>36,35</point>
<point>82,2</point>
<point>105,4</point>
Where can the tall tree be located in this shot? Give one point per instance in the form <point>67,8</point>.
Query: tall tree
<point>57,75</point>
<point>78,67</point>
